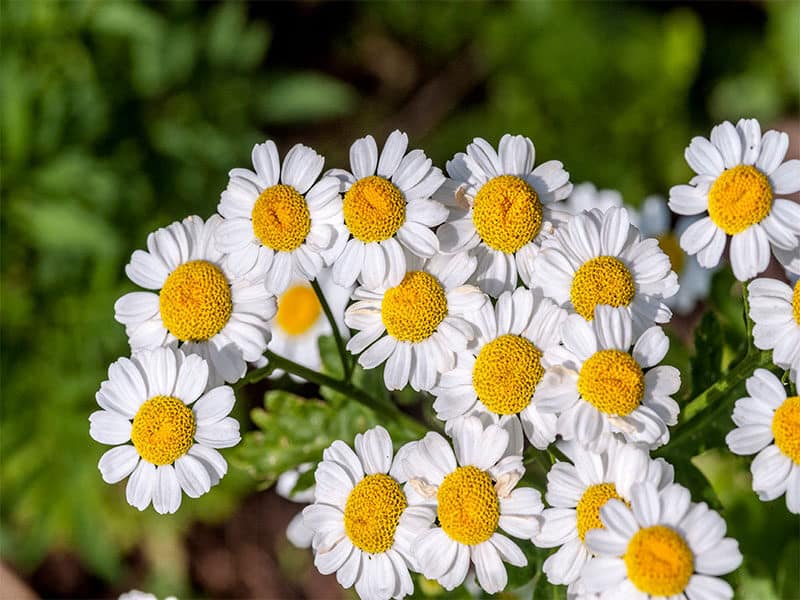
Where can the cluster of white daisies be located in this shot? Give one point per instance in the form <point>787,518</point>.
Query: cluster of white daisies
<point>526,309</point>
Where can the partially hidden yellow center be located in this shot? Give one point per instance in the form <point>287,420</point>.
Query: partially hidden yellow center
<point>195,301</point>
<point>469,509</point>
<point>506,373</point>
<point>588,509</point>
<point>786,428</point>
<point>740,197</point>
<point>298,310</point>
<point>507,213</point>
<point>671,246</point>
<point>612,381</point>
<point>601,280</point>
<point>280,218</point>
<point>796,302</point>
<point>659,561</point>
<point>163,429</point>
<point>412,311</point>
<point>373,511</point>
<point>374,209</point>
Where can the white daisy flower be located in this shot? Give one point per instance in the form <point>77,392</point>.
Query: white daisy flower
<point>602,387</point>
<point>775,310</point>
<point>387,209</point>
<point>301,321</point>
<point>585,197</point>
<point>767,422</point>
<point>500,371</point>
<point>600,259</point>
<point>424,319</point>
<point>740,178</point>
<point>279,220</point>
<point>577,491</point>
<point>662,546</point>
<point>501,208</point>
<point>473,492</point>
<point>789,259</point>
<point>363,523</point>
<point>139,595</point>
<point>157,401</point>
<point>296,532</point>
<point>200,304</point>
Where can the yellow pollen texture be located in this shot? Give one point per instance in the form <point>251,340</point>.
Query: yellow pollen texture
<point>786,428</point>
<point>298,310</point>
<point>374,209</point>
<point>507,213</point>
<point>469,509</point>
<point>195,301</point>
<point>602,280</point>
<point>588,509</point>
<point>506,373</point>
<point>163,429</point>
<point>612,381</point>
<point>670,245</point>
<point>796,302</point>
<point>373,511</point>
<point>740,197</point>
<point>281,219</point>
<point>659,561</point>
<point>412,311</point>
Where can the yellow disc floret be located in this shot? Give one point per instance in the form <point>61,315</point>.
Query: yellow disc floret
<point>659,561</point>
<point>281,219</point>
<point>506,373</point>
<point>588,509</point>
<point>163,429</point>
<point>796,302</point>
<point>507,213</point>
<point>374,209</point>
<point>373,511</point>
<point>612,381</point>
<point>602,280</point>
<point>298,310</point>
<point>195,301</point>
<point>469,509</point>
<point>740,197</point>
<point>412,311</point>
<point>670,245</point>
<point>786,428</point>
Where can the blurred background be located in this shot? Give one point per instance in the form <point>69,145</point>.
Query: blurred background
<point>120,117</point>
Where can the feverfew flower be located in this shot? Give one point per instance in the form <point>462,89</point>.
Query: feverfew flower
<point>296,532</point>
<point>775,310</point>
<point>201,304</point>
<point>158,401</point>
<point>280,220</point>
<point>740,178</point>
<point>769,423</point>
<point>501,208</point>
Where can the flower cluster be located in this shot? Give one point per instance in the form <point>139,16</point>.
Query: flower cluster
<point>529,312</point>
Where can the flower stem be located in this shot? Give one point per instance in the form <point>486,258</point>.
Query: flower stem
<point>343,355</point>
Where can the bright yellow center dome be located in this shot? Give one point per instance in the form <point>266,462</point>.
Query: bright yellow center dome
<point>588,509</point>
<point>659,561</point>
<point>298,310</point>
<point>469,509</point>
<point>373,511</point>
<point>412,311</point>
<point>506,373</point>
<point>612,381</point>
<point>507,213</point>
<point>786,428</point>
<point>281,219</point>
<point>602,280</point>
<point>163,429</point>
<point>740,197</point>
<point>374,209</point>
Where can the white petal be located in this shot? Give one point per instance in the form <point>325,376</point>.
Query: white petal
<point>193,476</point>
<point>214,405</point>
<point>141,484</point>
<point>116,464</point>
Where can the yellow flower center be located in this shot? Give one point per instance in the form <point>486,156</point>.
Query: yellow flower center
<point>612,381</point>
<point>468,506</point>
<point>588,509</point>
<point>373,511</point>
<point>507,213</point>
<point>739,198</point>
<point>602,280</point>
<point>659,561</point>
<point>163,429</point>
<point>672,248</point>
<point>374,209</point>
<point>298,310</point>
<point>506,373</point>
<point>786,428</point>
<point>412,311</point>
<point>281,219</point>
<point>195,301</point>
<point>796,302</point>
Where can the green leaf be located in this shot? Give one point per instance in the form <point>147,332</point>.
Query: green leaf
<point>689,476</point>
<point>306,96</point>
<point>706,364</point>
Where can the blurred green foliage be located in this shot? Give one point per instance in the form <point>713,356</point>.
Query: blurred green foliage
<point>118,117</point>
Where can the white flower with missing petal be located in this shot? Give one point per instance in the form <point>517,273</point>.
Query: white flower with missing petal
<point>200,304</point>
<point>296,532</point>
<point>775,310</point>
<point>282,221</point>
<point>363,522</point>
<point>768,423</point>
<point>740,179</point>
<point>158,401</point>
<point>501,208</point>
<point>662,546</point>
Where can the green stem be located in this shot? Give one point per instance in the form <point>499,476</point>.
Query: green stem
<point>343,355</point>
